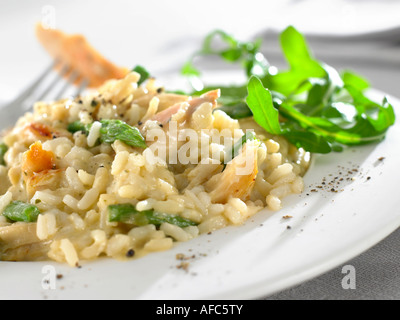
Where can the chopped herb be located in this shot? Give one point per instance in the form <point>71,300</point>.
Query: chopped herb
<point>144,74</point>
<point>76,126</point>
<point>3,150</point>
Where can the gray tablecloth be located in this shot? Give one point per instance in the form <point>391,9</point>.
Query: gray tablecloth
<point>377,277</point>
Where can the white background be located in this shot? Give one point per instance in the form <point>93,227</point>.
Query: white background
<point>161,34</point>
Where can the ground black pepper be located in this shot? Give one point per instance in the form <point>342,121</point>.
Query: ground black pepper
<point>130,253</point>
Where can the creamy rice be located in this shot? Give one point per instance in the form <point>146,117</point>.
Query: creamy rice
<point>86,176</point>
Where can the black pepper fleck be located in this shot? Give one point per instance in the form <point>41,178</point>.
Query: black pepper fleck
<point>130,253</point>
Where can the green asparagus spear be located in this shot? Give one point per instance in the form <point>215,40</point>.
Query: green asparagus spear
<point>127,213</point>
<point>21,211</point>
<point>112,130</point>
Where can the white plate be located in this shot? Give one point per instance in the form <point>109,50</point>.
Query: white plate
<point>265,255</point>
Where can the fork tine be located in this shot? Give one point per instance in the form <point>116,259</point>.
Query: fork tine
<point>35,84</point>
<point>59,76</point>
<point>70,81</point>
<point>12,110</point>
<point>83,85</point>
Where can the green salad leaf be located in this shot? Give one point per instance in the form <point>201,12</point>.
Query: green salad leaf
<point>245,53</point>
<point>302,65</point>
<point>260,103</point>
<point>310,103</point>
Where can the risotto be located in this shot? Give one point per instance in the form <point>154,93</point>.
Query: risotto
<point>130,169</point>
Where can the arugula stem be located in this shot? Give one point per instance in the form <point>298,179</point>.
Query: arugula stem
<point>345,138</point>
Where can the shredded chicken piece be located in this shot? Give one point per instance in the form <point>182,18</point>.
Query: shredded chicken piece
<point>189,106</point>
<point>238,178</point>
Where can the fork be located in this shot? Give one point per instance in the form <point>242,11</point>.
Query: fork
<point>45,87</point>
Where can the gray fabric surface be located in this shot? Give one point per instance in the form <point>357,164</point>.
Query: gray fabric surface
<point>377,276</point>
